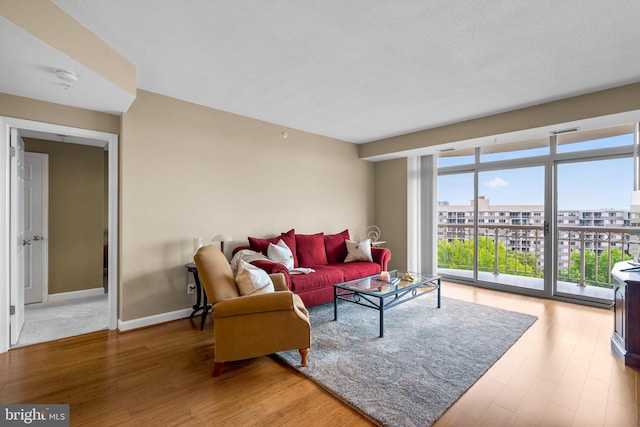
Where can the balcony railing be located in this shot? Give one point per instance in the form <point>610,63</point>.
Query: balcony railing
<point>585,254</point>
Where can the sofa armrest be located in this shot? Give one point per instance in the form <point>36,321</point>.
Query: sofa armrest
<point>254,304</point>
<point>381,256</point>
<point>273,268</point>
<point>239,248</point>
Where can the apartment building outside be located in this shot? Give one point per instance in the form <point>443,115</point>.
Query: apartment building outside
<point>511,218</point>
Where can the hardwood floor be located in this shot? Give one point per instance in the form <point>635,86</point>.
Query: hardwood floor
<point>560,373</point>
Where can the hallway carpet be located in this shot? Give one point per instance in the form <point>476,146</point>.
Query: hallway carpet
<point>55,320</point>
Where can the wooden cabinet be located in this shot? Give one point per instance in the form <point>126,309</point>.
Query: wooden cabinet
<point>625,342</point>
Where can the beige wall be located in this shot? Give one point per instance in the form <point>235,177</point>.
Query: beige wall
<point>190,171</point>
<point>391,208</point>
<point>76,214</point>
<point>47,112</point>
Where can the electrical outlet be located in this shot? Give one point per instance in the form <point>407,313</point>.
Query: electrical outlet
<point>191,288</point>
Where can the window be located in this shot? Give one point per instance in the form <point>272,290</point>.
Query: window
<point>510,183</point>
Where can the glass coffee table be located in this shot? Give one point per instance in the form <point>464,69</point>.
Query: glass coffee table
<point>381,295</point>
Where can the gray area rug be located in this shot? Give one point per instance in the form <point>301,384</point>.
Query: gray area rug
<point>56,320</point>
<point>426,360</point>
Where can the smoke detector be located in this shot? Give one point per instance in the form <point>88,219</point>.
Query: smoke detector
<point>66,76</point>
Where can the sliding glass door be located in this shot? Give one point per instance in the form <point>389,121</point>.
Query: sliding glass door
<point>456,225</point>
<point>592,225</point>
<point>544,216</point>
<point>510,227</point>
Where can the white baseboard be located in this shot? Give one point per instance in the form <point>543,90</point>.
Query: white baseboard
<point>64,296</point>
<point>153,320</point>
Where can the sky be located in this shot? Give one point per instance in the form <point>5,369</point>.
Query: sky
<point>590,185</point>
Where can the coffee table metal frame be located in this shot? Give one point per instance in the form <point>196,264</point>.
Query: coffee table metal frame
<point>372,293</point>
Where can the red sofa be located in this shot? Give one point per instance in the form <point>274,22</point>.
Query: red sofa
<point>325,254</point>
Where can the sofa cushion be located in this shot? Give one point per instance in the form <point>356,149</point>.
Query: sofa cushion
<point>252,280</point>
<point>262,245</point>
<point>323,276</point>
<point>357,269</point>
<point>310,249</point>
<point>280,253</point>
<point>335,247</point>
<point>358,251</point>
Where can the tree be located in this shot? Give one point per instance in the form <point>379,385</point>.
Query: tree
<point>604,266</point>
<point>459,254</point>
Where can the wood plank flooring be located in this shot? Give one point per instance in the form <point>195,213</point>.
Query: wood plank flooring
<point>560,373</point>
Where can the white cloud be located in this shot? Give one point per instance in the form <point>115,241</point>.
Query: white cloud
<point>497,182</point>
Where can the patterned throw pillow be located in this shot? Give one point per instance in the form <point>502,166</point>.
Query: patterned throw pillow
<point>358,251</point>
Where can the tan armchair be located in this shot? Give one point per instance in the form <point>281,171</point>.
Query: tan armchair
<point>254,325</point>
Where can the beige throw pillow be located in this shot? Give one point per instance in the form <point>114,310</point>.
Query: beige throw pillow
<point>358,251</point>
<point>252,280</point>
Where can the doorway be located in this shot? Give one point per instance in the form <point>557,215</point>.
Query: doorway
<point>106,141</point>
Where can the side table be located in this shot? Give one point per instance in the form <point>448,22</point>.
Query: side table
<point>201,297</point>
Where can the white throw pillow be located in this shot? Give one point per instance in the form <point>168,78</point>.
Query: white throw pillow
<point>280,253</point>
<point>252,280</point>
<point>358,251</point>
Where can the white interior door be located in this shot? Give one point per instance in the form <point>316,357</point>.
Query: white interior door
<point>16,264</point>
<point>35,220</point>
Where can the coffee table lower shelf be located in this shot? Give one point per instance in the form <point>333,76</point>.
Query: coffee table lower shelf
<point>357,292</point>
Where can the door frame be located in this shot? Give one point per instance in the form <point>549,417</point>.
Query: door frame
<point>45,221</point>
<point>16,236</point>
<point>106,140</point>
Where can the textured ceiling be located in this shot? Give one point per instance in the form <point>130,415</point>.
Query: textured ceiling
<point>363,70</point>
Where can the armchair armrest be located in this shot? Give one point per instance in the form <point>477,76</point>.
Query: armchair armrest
<point>254,304</point>
<point>381,256</point>
<point>279,281</point>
